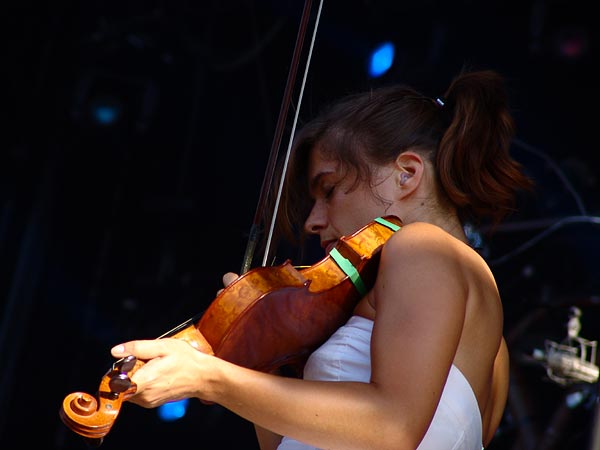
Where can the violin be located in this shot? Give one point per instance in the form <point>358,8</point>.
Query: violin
<point>268,318</point>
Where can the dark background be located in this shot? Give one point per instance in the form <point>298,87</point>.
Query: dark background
<point>123,231</point>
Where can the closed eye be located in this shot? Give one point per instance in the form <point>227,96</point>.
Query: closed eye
<point>329,192</point>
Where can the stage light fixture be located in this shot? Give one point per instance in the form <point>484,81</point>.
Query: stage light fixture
<point>169,412</point>
<point>381,59</point>
<point>105,111</point>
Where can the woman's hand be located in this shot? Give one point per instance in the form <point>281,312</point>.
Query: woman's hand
<point>174,370</point>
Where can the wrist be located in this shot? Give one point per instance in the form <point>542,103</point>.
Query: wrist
<point>211,381</point>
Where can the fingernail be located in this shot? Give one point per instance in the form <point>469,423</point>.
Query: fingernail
<point>118,349</point>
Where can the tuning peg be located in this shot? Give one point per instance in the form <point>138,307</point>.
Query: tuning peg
<point>124,364</point>
<point>119,383</point>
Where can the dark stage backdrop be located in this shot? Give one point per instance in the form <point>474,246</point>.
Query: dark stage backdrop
<point>136,140</point>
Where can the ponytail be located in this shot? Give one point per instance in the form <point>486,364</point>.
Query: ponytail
<point>475,168</point>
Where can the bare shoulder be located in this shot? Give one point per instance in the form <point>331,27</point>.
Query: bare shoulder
<point>421,258</point>
<point>432,257</point>
<point>421,238</point>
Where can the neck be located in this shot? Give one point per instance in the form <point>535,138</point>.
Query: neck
<point>453,227</point>
<point>445,218</point>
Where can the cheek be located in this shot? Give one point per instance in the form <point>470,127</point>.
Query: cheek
<point>386,190</point>
<point>353,211</point>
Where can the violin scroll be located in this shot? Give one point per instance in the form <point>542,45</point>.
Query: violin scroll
<point>92,417</point>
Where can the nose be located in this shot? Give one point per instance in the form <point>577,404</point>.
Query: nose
<point>317,219</point>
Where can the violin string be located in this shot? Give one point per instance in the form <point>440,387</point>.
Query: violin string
<point>290,142</point>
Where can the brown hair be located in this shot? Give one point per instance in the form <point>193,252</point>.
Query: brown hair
<point>466,135</point>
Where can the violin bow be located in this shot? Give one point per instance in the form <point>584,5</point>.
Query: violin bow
<point>276,143</point>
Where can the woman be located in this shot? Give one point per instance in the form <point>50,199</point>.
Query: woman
<point>422,363</point>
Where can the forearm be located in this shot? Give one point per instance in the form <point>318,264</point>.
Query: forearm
<point>323,414</point>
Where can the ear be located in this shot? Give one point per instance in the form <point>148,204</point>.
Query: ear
<point>410,168</point>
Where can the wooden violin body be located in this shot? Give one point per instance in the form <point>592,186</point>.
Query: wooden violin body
<point>268,318</point>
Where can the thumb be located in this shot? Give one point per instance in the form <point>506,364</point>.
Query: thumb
<point>229,278</point>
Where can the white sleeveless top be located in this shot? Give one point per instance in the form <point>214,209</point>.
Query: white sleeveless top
<point>456,424</point>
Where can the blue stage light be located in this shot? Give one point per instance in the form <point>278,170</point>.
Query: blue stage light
<point>105,115</point>
<point>172,411</point>
<point>105,110</point>
<point>381,59</point>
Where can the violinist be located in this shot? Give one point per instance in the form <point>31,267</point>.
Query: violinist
<point>421,363</point>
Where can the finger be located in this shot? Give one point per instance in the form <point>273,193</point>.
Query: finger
<point>145,350</point>
<point>229,278</point>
